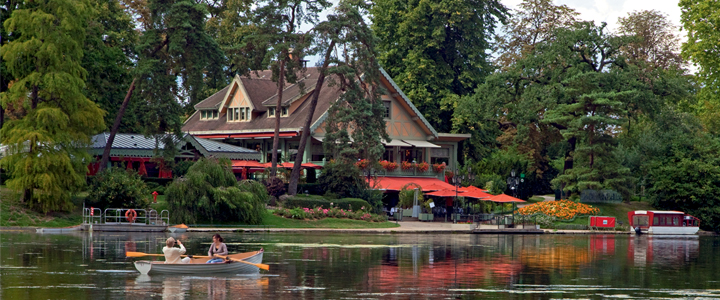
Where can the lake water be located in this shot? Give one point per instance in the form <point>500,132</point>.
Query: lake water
<point>358,266</point>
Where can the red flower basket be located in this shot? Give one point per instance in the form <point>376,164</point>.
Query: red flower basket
<point>362,164</point>
<point>388,165</point>
<point>439,167</point>
<point>422,167</point>
<point>406,166</point>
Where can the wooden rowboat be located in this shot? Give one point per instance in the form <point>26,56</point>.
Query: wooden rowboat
<point>199,265</point>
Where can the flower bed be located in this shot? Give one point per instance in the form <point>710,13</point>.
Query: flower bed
<point>322,213</point>
<point>563,209</point>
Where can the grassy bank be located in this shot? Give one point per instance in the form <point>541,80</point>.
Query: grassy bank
<point>617,210</point>
<point>14,213</point>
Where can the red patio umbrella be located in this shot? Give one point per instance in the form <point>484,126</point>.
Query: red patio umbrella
<point>477,193</point>
<point>311,165</point>
<point>504,198</point>
<point>446,193</point>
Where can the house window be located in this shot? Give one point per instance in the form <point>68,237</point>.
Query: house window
<point>203,114</point>
<point>230,115</point>
<point>237,113</point>
<point>215,114</point>
<point>242,114</point>
<point>440,155</point>
<point>284,111</point>
<point>387,109</point>
<point>271,112</point>
<point>389,154</point>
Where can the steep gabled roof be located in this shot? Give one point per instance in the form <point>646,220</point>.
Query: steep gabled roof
<point>213,102</point>
<point>409,103</point>
<point>136,145</point>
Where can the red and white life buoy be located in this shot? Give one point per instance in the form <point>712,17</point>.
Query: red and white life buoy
<point>131,215</point>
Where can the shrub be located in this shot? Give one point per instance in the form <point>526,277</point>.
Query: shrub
<point>209,192</point>
<point>181,168</point>
<point>118,188</point>
<point>407,197</point>
<point>343,179</point>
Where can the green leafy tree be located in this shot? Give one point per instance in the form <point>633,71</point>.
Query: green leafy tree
<point>701,19</point>
<point>436,50</point>
<point>108,58</point>
<point>118,188</point>
<point>677,162</point>
<point>209,192</point>
<point>47,158</point>
<point>578,85</point>
<point>177,60</point>
<point>656,45</point>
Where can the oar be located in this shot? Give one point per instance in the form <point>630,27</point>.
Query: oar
<point>141,254</point>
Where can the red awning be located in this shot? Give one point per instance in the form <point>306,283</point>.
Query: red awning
<point>246,164</point>
<point>397,183</point>
<point>311,165</point>
<point>246,135</point>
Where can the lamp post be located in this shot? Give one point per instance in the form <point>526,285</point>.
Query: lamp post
<point>457,181</point>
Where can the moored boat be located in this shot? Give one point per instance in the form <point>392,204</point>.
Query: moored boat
<point>662,222</point>
<point>180,228</point>
<point>199,265</point>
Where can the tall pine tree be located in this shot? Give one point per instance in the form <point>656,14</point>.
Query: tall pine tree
<point>47,160</point>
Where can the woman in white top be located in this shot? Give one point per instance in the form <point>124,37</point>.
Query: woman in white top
<point>172,254</point>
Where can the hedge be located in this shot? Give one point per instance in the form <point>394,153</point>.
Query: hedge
<point>311,188</point>
<point>303,201</point>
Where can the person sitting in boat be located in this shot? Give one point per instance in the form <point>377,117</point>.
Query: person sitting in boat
<point>217,248</point>
<point>172,254</point>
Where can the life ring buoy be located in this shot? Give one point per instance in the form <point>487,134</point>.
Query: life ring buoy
<point>131,215</point>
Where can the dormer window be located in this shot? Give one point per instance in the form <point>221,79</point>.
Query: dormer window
<point>284,111</point>
<point>207,114</point>
<point>238,114</point>
<point>271,112</point>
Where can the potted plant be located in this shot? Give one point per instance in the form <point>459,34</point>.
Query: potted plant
<point>422,167</point>
<point>449,175</point>
<point>389,165</point>
<point>439,167</point>
<point>362,164</point>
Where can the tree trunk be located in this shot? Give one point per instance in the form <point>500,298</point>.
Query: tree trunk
<point>295,175</point>
<point>276,137</point>
<point>116,126</point>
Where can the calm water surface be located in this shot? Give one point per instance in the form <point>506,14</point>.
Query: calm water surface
<point>341,266</point>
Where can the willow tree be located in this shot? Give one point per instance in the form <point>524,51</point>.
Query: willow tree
<point>48,161</point>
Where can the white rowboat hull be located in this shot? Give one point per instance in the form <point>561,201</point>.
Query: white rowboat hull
<point>198,266</point>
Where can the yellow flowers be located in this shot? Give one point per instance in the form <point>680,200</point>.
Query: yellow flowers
<point>562,209</point>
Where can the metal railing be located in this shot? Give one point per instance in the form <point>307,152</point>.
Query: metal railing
<point>117,216</point>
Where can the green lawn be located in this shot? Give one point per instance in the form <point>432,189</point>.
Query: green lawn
<point>14,213</point>
<point>280,222</point>
<point>617,210</point>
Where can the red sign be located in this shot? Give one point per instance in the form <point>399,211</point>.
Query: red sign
<point>605,222</point>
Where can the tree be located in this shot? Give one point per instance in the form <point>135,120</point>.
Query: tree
<point>700,19</point>
<point>436,50</point>
<point>108,58</point>
<point>177,59</point>
<point>656,44</point>
<point>210,192</point>
<point>578,85</point>
<point>47,159</point>
<point>276,36</point>
<point>345,27</point>
<point>535,22</point>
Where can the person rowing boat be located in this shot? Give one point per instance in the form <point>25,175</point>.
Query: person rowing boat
<point>217,248</point>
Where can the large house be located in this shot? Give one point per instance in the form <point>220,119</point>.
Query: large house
<point>243,114</point>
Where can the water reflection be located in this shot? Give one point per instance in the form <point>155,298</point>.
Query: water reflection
<point>662,250</point>
<point>93,266</point>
